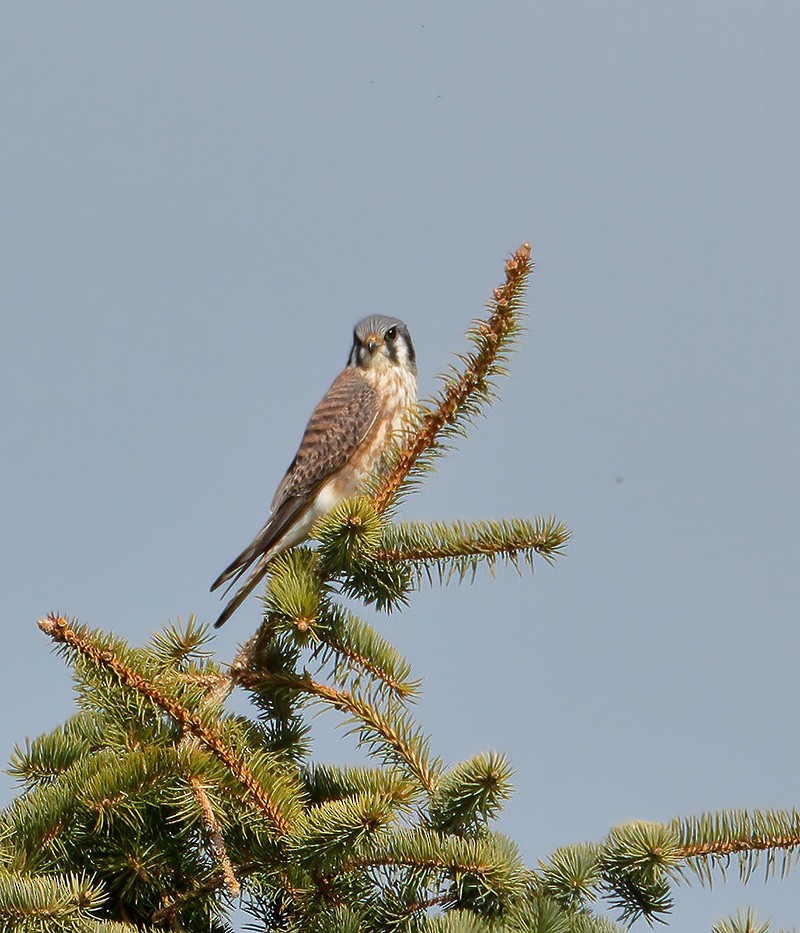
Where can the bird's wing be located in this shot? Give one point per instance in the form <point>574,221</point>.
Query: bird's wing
<point>335,430</point>
<point>337,427</point>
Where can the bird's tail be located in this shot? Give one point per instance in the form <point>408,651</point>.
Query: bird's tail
<point>238,567</point>
<point>256,576</point>
<point>287,526</point>
<point>270,536</point>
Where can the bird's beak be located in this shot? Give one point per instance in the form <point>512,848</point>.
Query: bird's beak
<point>372,341</point>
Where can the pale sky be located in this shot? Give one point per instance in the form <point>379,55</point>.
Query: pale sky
<point>199,200</point>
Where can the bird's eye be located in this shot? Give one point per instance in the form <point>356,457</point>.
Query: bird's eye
<point>390,334</point>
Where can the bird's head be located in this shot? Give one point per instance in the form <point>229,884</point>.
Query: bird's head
<point>380,342</point>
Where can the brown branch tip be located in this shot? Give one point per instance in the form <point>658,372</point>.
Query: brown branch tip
<point>58,628</point>
<point>54,625</point>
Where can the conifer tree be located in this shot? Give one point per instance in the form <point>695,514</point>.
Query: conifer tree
<point>155,808</point>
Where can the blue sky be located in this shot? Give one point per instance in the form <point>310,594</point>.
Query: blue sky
<point>199,201</point>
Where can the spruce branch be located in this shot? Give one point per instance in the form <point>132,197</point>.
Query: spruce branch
<point>348,537</point>
<point>484,868</point>
<point>347,534</point>
<point>59,629</point>
<point>178,646</point>
<point>47,903</point>
<point>331,830</point>
<point>324,782</point>
<point>456,549</point>
<point>745,921</point>
<point>390,729</point>
<point>426,903</point>
<point>471,794</point>
<point>102,785</point>
<point>177,901</point>
<point>216,839</point>
<point>634,865</point>
<point>464,392</point>
<point>572,876</point>
<point>294,600</point>
<point>711,839</point>
<point>636,862</point>
<point>357,649</point>
<point>282,722</point>
<point>46,757</point>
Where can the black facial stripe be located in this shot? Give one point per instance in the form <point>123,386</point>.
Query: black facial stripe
<point>356,357</point>
<point>410,355</point>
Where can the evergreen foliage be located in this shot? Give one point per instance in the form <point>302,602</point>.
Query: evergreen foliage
<point>745,921</point>
<point>156,808</point>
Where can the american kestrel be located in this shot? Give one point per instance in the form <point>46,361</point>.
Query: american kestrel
<point>343,442</point>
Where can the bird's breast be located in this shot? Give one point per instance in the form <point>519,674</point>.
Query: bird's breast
<point>397,392</point>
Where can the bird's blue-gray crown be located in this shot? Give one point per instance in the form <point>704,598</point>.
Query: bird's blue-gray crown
<point>379,333</point>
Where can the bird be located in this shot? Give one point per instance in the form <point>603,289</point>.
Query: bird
<point>344,441</point>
